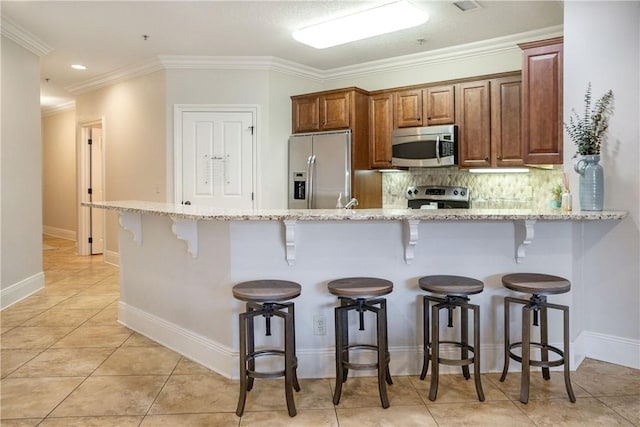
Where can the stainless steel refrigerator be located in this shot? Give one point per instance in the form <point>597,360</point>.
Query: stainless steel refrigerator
<point>319,169</point>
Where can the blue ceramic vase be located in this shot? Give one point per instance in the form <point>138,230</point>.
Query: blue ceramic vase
<point>591,182</point>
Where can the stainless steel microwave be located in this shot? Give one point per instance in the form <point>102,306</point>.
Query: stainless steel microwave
<point>428,146</point>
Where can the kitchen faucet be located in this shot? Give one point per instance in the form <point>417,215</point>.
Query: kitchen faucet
<point>353,202</point>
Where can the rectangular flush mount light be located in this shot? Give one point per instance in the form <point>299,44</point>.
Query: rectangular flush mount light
<point>499,170</point>
<point>369,23</point>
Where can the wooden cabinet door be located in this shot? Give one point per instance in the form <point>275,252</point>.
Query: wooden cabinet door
<point>380,127</point>
<point>306,114</point>
<point>506,135</point>
<point>408,108</point>
<point>542,101</point>
<point>439,105</point>
<point>473,117</point>
<point>334,111</point>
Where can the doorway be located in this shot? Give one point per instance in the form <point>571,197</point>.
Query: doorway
<point>91,223</point>
<point>215,151</point>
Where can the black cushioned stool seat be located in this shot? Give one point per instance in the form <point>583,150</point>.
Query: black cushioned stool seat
<point>361,294</point>
<point>539,286</point>
<point>267,298</point>
<point>456,290</point>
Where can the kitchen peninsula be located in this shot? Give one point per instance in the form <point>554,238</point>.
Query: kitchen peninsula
<point>178,264</point>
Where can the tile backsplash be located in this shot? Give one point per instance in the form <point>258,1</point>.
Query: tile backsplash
<point>491,191</point>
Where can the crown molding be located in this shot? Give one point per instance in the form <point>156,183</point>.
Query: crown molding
<point>119,75</point>
<point>270,63</point>
<point>13,31</point>
<point>469,50</point>
<point>56,109</point>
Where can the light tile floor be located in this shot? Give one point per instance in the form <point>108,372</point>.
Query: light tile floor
<point>67,362</point>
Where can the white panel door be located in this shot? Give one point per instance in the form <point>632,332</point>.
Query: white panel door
<point>217,159</point>
<point>97,192</point>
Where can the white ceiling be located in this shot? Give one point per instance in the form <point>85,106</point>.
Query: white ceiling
<point>108,35</point>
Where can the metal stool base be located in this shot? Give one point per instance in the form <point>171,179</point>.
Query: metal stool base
<point>248,353</point>
<point>537,303</point>
<point>379,308</point>
<point>432,345</point>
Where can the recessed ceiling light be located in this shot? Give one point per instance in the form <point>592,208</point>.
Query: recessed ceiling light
<point>79,67</point>
<point>369,23</point>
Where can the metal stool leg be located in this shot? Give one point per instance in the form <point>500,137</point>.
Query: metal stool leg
<point>243,365</point>
<point>426,353</point>
<point>339,354</point>
<point>566,355</point>
<point>544,340</point>
<point>464,339</point>
<point>476,351</point>
<point>383,305</point>
<point>383,366</point>
<point>291,311</point>
<point>289,361</point>
<point>435,351</point>
<point>251,344</point>
<point>526,353</point>
<point>344,318</point>
<point>507,343</point>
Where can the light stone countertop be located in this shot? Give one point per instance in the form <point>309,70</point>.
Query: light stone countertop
<point>214,214</point>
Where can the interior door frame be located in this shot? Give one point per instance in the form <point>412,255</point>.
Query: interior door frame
<point>179,109</point>
<point>83,175</point>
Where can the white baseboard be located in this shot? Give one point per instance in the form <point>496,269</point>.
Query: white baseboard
<point>21,290</point>
<point>609,348</point>
<point>206,352</point>
<point>111,257</point>
<point>320,363</point>
<point>59,232</point>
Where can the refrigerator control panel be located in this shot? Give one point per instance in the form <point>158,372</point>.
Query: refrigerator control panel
<point>299,185</point>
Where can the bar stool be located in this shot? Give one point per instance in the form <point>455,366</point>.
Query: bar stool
<point>267,298</point>
<point>539,285</point>
<point>456,290</point>
<point>361,294</point>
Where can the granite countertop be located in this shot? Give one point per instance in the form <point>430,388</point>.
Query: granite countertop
<point>210,214</point>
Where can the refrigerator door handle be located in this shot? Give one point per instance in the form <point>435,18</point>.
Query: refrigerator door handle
<point>310,162</point>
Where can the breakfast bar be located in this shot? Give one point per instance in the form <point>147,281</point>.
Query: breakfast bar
<point>178,264</point>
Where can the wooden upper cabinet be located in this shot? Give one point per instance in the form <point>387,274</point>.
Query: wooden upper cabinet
<point>408,108</point>
<point>506,135</point>
<point>334,111</point>
<point>380,127</point>
<point>306,114</point>
<point>320,112</point>
<point>473,117</point>
<point>438,105</point>
<point>542,101</point>
<point>425,107</point>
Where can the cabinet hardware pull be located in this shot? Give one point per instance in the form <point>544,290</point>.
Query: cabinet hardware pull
<point>499,157</point>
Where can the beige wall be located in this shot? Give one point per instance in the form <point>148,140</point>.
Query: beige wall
<point>59,201</point>
<point>21,174</point>
<point>133,141</point>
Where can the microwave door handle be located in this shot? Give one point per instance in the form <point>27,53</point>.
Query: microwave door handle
<point>310,161</point>
<point>438,148</point>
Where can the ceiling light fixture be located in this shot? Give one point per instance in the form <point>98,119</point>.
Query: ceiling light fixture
<point>79,67</point>
<point>369,23</point>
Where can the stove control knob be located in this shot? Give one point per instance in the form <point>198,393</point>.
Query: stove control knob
<point>462,193</point>
<point>455,192</point>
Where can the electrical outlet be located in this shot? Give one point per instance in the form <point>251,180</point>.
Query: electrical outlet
<point>319,324</point>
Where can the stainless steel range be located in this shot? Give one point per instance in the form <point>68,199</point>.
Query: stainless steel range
<point>438,197</point>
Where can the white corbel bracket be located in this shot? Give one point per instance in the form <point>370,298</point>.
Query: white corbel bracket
<point>132,222</point>
<point>290,240</point>
<point>524,236</point>
<point>411,239</point>
<point>187,230</point>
